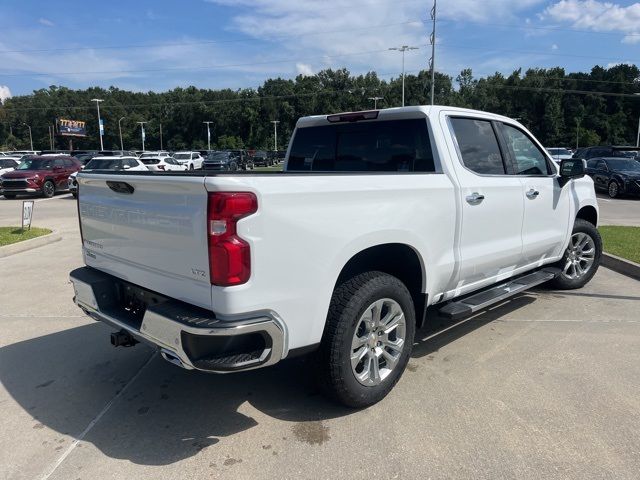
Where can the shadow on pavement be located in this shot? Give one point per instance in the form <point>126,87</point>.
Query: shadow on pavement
<point>167,414</point>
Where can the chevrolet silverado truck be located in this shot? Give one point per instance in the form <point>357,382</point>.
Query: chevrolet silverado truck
<point>376,216</point>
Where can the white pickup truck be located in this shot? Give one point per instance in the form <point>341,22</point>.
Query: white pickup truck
<point>377,216</point>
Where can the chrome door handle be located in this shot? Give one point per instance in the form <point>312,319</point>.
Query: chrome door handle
<point>533,193</point>
<point>475,198</point>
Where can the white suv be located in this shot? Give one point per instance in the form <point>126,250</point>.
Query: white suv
<point>193,160</point>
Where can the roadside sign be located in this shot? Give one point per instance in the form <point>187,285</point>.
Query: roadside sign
<point>27,213</point>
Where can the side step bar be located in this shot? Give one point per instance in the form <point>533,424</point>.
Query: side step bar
<point>468,305</point>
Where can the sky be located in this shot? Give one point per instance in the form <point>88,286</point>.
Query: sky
<point>157,45</point>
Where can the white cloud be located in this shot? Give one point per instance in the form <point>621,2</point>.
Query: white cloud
<point>46,22</point>
<point>599,16</point>
<point>615,64</point>
<point>483,10</point>
<point>5,93</point>
<point>554,47</point>
<point>304,69</point>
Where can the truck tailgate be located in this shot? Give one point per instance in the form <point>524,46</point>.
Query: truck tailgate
<point>148,230</point>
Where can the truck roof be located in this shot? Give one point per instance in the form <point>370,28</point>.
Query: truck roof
<point>399,113</point>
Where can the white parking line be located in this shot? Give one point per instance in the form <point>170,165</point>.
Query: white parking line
<point>53,198</point>
<point>93,422</point>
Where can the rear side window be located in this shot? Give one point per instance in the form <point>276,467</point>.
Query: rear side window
<point>478,146</point>
<point>528,159</point>
<point>381,146</point>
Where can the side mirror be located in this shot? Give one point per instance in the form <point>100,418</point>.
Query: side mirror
<point>574,168</point>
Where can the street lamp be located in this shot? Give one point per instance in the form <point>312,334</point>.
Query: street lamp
<point>120,131</point>
<point>275,134</point>
<point>208,135</point>
<point>100,125</point>
<point>30,137</point>
<point>403,49</point>
<point>142,132</point>
<point>375,101</point>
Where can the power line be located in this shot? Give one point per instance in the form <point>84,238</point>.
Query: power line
<point>203,42</point>
<point>167,69</point>
<point>536,27</point>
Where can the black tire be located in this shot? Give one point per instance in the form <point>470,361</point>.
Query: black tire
<point>48,189</point>
<point>613,189</point>
<point>563,282</point>
<point>233,167</point>
<point>9,196</point>
<point>191,167</point>
<point>75,194</point>
<point>349,302</point>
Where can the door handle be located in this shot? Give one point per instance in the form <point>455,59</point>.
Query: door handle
<point>533,193</point>
<point>475,198</point>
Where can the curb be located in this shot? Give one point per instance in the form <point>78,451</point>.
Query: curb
<point>25,245</point>
<point>620,265</point>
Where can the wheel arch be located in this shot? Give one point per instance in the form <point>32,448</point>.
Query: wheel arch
<point>588,213</point>
<point>397,259</point>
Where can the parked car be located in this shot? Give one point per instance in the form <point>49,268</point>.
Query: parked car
<point>7,164</point>
<point>616,176</point>
<point>39,175</point>
<point>262,159</point>
<point>559,153</point>
<point>222,161</point>
<point>163,164</point>
<point>377,216</point>
<point>158,154</point>
<point>132,164</point>
<point>117,153</point>
<point>607,152</point>
<point>85,157</point>
<point>193,160</point>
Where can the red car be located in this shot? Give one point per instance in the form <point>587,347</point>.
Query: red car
<point>44,175</point>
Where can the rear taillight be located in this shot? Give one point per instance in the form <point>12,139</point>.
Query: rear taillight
<point>229,255</point>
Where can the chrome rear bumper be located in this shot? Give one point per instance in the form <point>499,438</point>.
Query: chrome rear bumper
<point>188,336</point>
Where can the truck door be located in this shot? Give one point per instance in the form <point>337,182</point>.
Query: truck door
<point>546,204</point>
<point>490,242</point>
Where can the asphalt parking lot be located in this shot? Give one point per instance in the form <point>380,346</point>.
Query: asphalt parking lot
<point>544,386</point>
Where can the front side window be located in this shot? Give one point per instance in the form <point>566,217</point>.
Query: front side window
<point>478,146</point>
<point>529,159</point>
<point>380,146</point>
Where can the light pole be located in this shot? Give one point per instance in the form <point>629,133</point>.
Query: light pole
<point>433,54</point>
<point>403,49</point>
<point>30,137</point>
<point>375,101</point>
<point>100,125</point>
<point>160,136</point>
<point>275,134</point>
<point>142,132</point>
<point>208,135</point>
<point>120,132</point>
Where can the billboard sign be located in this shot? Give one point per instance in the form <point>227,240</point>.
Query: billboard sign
<point>71,128</point>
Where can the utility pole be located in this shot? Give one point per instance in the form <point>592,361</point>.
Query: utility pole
<point>120,132</point>
<point>432,61</point>
<point>142,132</point>
<point>275,134</point>
<point>375,101</point>
<point>100,124</point>
<point>403,49</point>
<point>30,137</point>
<point>208,135</point>
<point>160,136</point>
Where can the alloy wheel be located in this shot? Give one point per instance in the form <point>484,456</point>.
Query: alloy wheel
<point>580,256</point>
<point>378,342</point>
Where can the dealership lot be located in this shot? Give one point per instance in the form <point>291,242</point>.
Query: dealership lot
<point>546,385</point>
